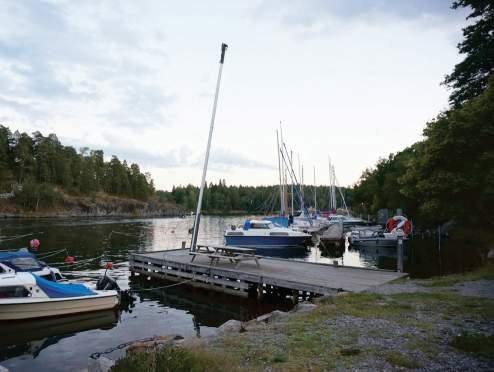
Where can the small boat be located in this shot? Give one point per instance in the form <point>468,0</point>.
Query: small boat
<point>24,295</point>
<point>25,261</point>
<point>397,226</point>
<point>264,234</point>
<point>333,235</point>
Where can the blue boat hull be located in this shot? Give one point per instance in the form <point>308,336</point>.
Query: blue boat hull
<point>266,242</point>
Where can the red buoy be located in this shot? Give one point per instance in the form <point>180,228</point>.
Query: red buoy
<point>69,260</point>
<point>109,265</point>
<point>34,244</point>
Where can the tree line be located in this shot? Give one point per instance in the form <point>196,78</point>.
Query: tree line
<point>220,198</point>
<point>449,175</point>
<point>35,167</point>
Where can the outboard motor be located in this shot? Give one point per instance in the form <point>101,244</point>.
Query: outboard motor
<point>107,283</point>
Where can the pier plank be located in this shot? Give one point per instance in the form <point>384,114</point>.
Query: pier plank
<point>290,274</point>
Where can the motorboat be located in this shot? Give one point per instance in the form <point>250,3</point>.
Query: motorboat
<point>24,295</point>
<point>396,227</point>
<point>261,234</point>
<point>310,224</point>
<point>333,235</point>
<point>25,261</point>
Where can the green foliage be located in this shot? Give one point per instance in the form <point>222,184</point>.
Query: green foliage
<point>248,199</point>
<point>470,77</point>
<point>452,173</point>
<point>447,176</point>
<point>33,196</point>
<point>37,164</point>
<point>380,187</point>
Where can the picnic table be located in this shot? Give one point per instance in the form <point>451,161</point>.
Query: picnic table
<point>218,252</point>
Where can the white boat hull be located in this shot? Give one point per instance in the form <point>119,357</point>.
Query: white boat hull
<point>14,309</point>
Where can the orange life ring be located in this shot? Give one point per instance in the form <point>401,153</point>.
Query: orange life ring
<point>391,224</point>
<point>407,227</point>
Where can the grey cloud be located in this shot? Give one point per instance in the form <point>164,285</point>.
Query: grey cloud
<point>40,40</point>
<point>182,157</point>
<point>307,13</point>
<point>224,159</point>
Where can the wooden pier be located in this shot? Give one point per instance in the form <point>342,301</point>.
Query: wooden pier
<point>281,276</point>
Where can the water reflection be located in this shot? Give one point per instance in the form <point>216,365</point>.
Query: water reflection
<point>67,343</point>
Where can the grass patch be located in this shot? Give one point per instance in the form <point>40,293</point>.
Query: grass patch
<point>400,360</point>
<point>279,357</point>
<point>350,352</point>
<point>483,345</point>
<point>485,272</point>
<point>172,360</point>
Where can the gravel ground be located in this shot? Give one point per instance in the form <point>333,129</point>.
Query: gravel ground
<point>479,288</point>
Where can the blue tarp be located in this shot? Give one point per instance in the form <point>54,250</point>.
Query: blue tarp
<point>59,290</point>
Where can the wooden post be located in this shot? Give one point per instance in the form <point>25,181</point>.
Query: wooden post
<point>399,254</point>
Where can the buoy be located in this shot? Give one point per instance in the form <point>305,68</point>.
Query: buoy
<point>109,265</point>
<point>34,244</point>
<point>69,260</point>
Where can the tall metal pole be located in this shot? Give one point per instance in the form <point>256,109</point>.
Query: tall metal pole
<point>208,148</point>
<point>291,161</point>
<point>279,173</point>
<point>283,175</point>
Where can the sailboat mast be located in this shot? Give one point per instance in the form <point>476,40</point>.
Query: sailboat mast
<point>291,161</point>
<point>315,190</point>
<point>330,193</point>
<point>208,148</point>
<point>279,173</point>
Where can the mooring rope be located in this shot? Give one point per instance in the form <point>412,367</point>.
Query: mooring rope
<point>52,253</point>
<point>16,237</point>
<point>162,287</point>
<point>78,263</point>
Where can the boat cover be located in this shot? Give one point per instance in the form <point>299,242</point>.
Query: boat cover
<point>59,290</point>
<point>21,260</point>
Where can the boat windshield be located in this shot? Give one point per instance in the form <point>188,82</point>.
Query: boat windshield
<point>260,225</point>
<point>26,263</point>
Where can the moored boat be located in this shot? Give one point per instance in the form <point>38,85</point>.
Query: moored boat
<point>396,227</point>
<point>24,295</point>
<point>264,234</point>
<point>25,261</point>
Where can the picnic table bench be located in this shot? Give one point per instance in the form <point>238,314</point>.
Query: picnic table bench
<point>234,254</point>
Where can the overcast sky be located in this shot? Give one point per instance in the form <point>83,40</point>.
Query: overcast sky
<point>351,79</point>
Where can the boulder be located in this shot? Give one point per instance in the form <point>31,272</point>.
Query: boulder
<point>157,342</point>
<point>230,326</point>
<point>102,364</point>
<point>490,254</point>
<point>304,308</point>
<point>272,316</point>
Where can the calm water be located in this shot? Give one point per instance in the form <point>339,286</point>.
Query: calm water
<point>66,343</point>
